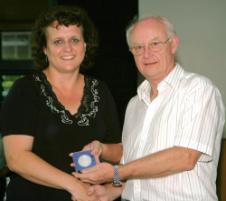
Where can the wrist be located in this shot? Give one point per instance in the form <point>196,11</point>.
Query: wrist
<point>72,184</point>
<point>103,148</point>
<point>113,192</point>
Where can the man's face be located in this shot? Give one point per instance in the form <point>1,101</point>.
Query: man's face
<point>153,50</point>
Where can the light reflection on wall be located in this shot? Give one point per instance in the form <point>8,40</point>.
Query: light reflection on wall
<point>7,82</point>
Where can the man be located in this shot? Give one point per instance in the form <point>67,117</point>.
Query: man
<point>172,130</point>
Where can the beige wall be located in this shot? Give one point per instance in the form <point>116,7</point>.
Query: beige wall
<point>201,26</point>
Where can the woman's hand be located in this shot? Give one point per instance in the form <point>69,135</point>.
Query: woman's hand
<point>106,192</point>
<point>101,192</point>
<point>96,148</point>
<point>108,152</point>
<point>82,192</point>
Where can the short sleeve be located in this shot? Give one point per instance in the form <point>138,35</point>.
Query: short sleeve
<point>19,109</point>
<point>200,118</point>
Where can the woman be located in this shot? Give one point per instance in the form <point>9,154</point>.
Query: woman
<point>56,110</point>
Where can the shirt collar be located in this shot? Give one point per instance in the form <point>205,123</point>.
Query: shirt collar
<point>143,91</point>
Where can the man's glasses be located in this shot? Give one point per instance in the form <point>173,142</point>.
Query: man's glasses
<point>155,46</point>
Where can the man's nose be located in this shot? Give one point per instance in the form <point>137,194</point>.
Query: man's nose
<point>147,51</point>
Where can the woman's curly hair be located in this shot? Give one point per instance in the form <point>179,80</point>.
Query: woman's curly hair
<point>64,15</point>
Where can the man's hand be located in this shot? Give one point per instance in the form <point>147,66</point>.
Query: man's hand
<point>99,174</point>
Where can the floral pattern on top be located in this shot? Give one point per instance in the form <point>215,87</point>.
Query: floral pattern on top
<point>87,109</point>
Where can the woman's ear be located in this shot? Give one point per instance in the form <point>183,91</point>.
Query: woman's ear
<point>44,50</point>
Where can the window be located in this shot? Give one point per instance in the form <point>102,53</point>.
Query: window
<point>16,45</point>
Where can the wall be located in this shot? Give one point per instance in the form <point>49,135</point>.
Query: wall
<point>20,15</point>
<point>201,27</point>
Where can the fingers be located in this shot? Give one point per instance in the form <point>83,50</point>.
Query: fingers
<point>100,173</point>
<point>87,147</point>
<point>95,146</point>
<point>91,190</point>
<point>87,178</point>
<point>71,164</point>
<point>97,159</point>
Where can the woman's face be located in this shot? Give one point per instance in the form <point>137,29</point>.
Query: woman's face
<point>65,47</point>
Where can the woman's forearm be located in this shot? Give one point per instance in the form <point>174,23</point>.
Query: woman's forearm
<point>112,152</point>
<point>34,169</point>
<point>21,160</point>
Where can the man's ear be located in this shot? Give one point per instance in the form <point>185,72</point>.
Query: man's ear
<point>174,43</point>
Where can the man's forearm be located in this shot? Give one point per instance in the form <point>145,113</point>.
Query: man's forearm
<point>159,164</point>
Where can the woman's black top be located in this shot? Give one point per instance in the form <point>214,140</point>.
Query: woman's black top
<point>31,108</point>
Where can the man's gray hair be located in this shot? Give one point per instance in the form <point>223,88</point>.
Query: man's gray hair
<point>168,25</point>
